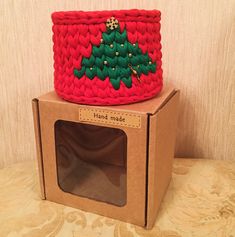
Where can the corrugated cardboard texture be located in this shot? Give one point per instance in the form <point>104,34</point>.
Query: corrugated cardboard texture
<point>161,152</point>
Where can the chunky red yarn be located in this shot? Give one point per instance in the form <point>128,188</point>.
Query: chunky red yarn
<point>74,34</point>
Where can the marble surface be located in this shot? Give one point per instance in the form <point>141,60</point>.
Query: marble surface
<point>200,202</point>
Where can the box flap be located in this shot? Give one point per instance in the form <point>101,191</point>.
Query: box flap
<point>147,107</point>
<point>37,130</point>
<point>162,132</point>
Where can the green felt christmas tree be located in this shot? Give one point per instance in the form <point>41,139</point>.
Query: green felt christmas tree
<point>116,58</point>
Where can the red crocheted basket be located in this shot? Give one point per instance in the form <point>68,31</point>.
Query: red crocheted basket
<point>107,57</point>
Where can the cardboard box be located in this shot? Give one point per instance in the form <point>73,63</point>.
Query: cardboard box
<point>115,161</point>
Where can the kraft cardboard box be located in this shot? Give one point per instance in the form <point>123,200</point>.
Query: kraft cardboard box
<point>115,161</point>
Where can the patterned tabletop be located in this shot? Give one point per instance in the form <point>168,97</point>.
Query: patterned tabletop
<point>200,202</point>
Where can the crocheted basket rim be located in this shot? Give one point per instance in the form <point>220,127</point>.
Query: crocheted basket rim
<point>87,17</point>
<point>78,36</point>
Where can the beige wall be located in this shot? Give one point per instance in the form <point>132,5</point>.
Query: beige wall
<point>198,39</point>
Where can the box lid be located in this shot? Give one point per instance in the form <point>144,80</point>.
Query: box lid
<point>146,107</point>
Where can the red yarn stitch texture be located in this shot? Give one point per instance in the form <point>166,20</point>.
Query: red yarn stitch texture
<point>74,34</point>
